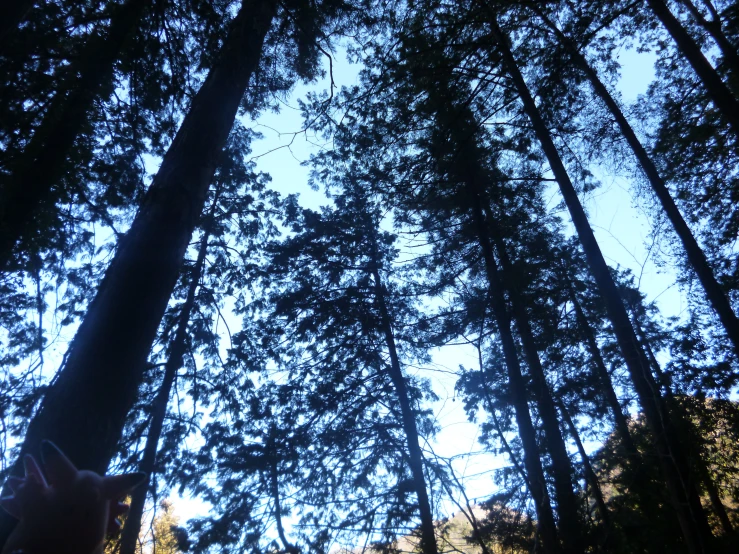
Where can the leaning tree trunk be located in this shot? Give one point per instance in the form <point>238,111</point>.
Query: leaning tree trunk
<point>638,480</point>
<point>415,455</point>
<point>680,480</point>
<point>694,252</point>
<point>715,29</point>
<point>570,524</point>
<point>688,434</point>
<point>722,97</point>
<point>468,171</point>
<point>590,476</point>
<point>132,526</point>
<point>85,409</point>
<point>517,386</point>
<point>606,386</point>
<point>28,189</point>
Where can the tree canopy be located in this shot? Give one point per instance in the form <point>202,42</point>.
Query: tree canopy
<point>168,306</point>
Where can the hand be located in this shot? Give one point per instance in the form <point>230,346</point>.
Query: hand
<point>70,513</point>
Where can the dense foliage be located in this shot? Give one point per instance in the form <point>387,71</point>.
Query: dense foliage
<point>166,306</point>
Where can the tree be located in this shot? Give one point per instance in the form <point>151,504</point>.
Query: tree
<point>725,101</point>
<point>265,358</point>
<point>29,187</point>
<point>120,325</point>
<point>714,26</point>
<point>621,499</point>
<point>696,257</point>
<point>692,517</point>
<point>351,234</point>
<point>174,362</point>
<point>463,205</point>
<point>590,476</point>
<point>164,535</point>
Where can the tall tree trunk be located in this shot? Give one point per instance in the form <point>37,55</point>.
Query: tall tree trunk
<point>689,433</point>
<point>570,523</point>
<point>130,533</point>
<point>639,482</point>
<point>714,28</point>
<point>590,475</point>
<point>415,456</point>
<point>680,479</point>
<point>85,409</point>
<point>28,189</point>
<point>722,97</point>
<point>517,386</point>
<point>606,386</point>
<point>274,491</point>
<point>694,252</point>
<point>498,428</point>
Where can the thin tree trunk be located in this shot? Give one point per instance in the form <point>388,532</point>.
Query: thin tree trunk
<point>28,188</point>
<point>689,434</point>
<point>415,456</point>
<point>491,409</point>
<point>517,388</point>
<point>722,97</point>
<point>639,481</point>
<point>567,510</point>
<point>714,28</point>
<point>85,409</point>
<point>274,489</point>
<point>130,532</point>
<point>621,423</point>
<point>467,510</point>
<point>694,252</point>
<point>679,477</point>
<point>590,475</point>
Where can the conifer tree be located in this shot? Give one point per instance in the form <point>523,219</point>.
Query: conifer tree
<point>351,234</point>
<point>696,257</point>
<point>676,467</point>
<point>725,101</point>
<point>714,26</point>
<point>29,186</point>
<point>99,380</point>
<point>263,357</point>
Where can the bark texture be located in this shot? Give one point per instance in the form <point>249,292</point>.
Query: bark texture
<point>85,409</point>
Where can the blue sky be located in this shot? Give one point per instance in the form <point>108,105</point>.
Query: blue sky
<point>618,219</point>
<point>619,222</point>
